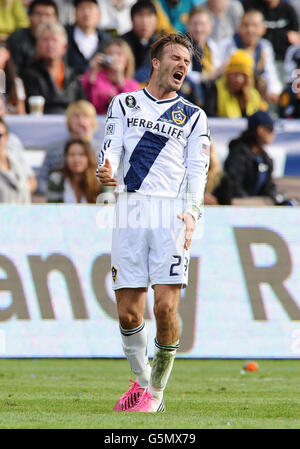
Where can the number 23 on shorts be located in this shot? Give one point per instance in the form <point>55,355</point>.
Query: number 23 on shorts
<point>175,267</point>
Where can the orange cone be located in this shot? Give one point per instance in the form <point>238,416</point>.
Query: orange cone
<point>251,366</point>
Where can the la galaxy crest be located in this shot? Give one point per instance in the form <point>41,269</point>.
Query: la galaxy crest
<point>178,117</point>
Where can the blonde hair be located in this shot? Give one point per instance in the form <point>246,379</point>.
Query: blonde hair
<point>130,65</point>
<point>55,28</point>
<point>84,107</point>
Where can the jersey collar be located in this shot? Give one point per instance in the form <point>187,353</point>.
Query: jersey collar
<point>170,100</point>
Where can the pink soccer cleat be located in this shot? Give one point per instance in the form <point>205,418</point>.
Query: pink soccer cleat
<point>130,398</point>
<point>148,404</point>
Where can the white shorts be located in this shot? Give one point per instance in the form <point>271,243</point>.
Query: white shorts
<point>148,242</point>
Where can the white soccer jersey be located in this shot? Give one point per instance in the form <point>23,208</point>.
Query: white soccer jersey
<point>157,147</point>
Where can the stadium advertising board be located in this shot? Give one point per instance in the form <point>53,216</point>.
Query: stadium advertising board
<point>285,150</point>
<point>56,298</point>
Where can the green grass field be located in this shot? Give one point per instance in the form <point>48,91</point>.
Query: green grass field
<point>201,394</point>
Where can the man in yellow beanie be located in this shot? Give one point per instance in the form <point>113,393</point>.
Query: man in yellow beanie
<point>240,62</point>
<point>234,95</point>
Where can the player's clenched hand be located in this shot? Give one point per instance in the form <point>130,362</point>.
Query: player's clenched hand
<point>189,222</point>
<point>104,174</point>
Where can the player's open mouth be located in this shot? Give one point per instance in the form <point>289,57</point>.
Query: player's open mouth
<point>178,76</point>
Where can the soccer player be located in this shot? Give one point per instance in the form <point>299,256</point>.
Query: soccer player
<point>156,150</point>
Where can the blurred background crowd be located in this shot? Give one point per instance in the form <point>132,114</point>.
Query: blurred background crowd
<point>71,58</point>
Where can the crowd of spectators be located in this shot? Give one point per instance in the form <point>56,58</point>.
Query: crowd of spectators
<point>79,54</point>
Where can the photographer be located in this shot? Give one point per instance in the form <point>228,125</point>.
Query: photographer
<point>110,73</point>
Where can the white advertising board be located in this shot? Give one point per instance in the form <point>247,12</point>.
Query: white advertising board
<point>56,299</point>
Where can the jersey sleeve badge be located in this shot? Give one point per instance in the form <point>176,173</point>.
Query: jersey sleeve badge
<point>130,101</point>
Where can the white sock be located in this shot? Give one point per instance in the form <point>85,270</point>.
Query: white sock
<point>162,365</point>
<point>134,342</point>
<point>144,378</point>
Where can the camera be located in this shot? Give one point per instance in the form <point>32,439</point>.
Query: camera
<point>107,60</point>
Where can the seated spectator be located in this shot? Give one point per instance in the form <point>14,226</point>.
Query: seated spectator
<point>289,102</point>
<point>248,165</point>
<point>178,12</point>
<point>76,181</point>
<point>12,17</point>
<point>14,186</point>
<point>49,76</point>
<point>22,43</point>
<point>233,95</point>
<point>85,39</point>
<point>281,22</point>
<point>249,37</point>
<point>141,37</point>
<point>14,87</point>
<point>206,67</point>
<point>226,16</point>
<point>110,74</point>
<point>15,147</point>
<point>199,28</point>
<point>81,121</point>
